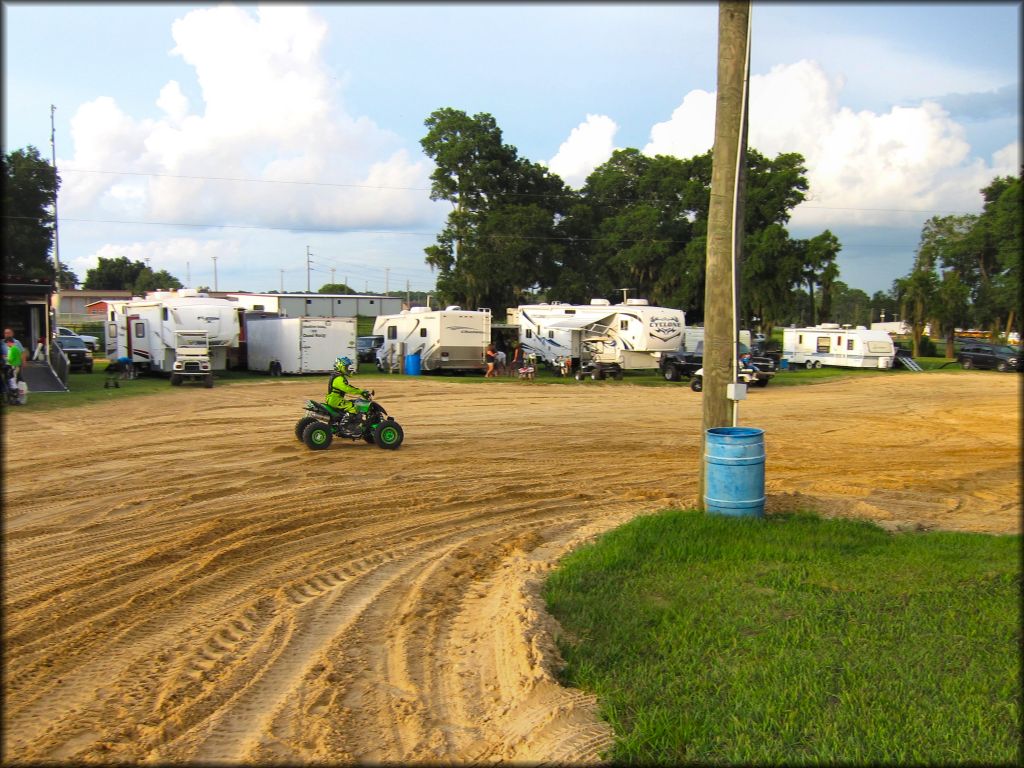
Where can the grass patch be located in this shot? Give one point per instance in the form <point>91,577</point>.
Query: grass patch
<point>795,639</point>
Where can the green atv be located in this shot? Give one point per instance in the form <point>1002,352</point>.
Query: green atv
<point>369,423</point>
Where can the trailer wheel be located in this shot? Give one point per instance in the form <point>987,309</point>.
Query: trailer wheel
<point>301,424</point>
<point>697,385</point>
<point>317,436</point>
<point>209,381</point>
<point>389,435</point>
<point>175,379</point>
<point>817,363</point>
<point>671,374</point>
<point>809,364</point>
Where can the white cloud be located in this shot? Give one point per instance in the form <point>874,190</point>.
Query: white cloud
<point>179,256</point>
<point>269,110</point>
<point>589,144</point>
<point>862,167</point>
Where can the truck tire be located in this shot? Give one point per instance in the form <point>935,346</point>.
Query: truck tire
<point>967,363</point>
<point>208,383</point>
<point>175,379</point>
<point>671,374</point>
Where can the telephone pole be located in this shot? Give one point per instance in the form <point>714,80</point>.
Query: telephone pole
<point>386,271</point>
<point>308,254</point>
<point>56,237</point>
<point>188,275</point>
<point>725,222</point>
<point>282,280</point>
<point>214,273</point>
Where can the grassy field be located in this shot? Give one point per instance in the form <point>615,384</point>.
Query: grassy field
<point>795,639</point>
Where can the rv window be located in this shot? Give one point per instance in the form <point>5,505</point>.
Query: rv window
<point>423,332</point>
<point>823,343</point>
<point>371,301</point>
<point>879,347</point>
<point>623,325</point>
<point>140,330</point>
<point>392,331</point>
<point>570,311</point>
<point>112,330</point>
<point>309,301</point>
<point>849,343</point>
<point>529,333</point>
<point>800,339</point>
<point>166,314</point>
<point>258,307</point>
<point>111,314</point>
<point>551,334</point>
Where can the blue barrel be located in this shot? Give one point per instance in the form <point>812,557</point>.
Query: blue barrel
<point>783,364</point>
<point>734,471</point>
<point>412,364</point>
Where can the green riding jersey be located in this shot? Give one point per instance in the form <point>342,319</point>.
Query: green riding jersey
<point>337,388</point>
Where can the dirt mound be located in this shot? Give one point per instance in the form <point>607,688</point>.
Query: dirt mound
<point>187,582</point>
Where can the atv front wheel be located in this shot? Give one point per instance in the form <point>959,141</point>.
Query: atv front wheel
<point>317,436</point>
<point>389,435</point>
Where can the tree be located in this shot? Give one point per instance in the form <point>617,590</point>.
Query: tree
<point>120,274</point>
<point>819,268</point>
<point>499,240</point>
<point>30,190</point>
<point>336,288</point>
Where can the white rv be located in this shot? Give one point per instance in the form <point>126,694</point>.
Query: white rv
<point>450,339</point>
<point>832,344</point>
<point>145,329</point>
<point>599,336</point>
<point>277,345</point>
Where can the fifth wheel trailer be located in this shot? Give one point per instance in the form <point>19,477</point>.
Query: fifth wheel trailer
<point>279,345</point>
<point>451,339</point>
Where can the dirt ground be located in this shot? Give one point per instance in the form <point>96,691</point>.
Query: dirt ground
<point>184,581</point>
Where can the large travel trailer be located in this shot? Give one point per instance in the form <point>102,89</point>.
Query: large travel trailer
<point>450,339</point>
<point>144,330</point>
<point>599,336</point>
<point>277,345</point>
<point>832,344</point>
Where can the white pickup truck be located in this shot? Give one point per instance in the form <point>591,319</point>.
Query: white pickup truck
<point>90,341</point>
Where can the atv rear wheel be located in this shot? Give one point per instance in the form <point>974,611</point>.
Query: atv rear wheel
<point>301,424</point>
<point>317,436</point>
<point>697,384</point>
<point>389,435</point>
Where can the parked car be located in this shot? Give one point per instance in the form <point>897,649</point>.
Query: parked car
<point>679,365</point>
<point>976,354</point>
<point>90,341</point>
<point>79,356</point>
<point>366,348</point>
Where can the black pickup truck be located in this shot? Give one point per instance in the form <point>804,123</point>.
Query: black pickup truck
<point>680,365</point>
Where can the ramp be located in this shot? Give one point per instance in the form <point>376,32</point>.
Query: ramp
<point>909,363</point>
<point>40,378</point>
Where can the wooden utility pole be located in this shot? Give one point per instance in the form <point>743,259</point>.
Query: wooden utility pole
<point>725,222</point>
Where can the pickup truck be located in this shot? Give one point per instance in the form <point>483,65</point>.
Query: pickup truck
<point>90,341</point>
<point>679,365</point>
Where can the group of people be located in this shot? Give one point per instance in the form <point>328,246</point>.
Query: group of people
<point>499,364</point>
<point>14,357</point>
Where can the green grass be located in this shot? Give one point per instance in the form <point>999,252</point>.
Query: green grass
<point>795,640</point>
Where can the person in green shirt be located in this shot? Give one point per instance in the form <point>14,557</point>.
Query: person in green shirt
<point>338,387</point>
<point>13,361</point>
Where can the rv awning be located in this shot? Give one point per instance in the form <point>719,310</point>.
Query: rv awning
<point>575,323</point>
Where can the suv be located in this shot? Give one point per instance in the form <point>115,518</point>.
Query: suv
<point>90,341</point>
<point>366,348</point>
<point>976,354</point>
<point>78,355</point>
<point>682,365</point>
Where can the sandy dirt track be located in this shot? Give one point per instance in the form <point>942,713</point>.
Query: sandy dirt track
<point>184,581</point>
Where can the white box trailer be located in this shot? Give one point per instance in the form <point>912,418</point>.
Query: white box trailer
<point>630,335</point>
<point>695,335</point>
<point>277,345</point>
<point>143,329</point>
<point>833,344</point>
<point>450,339</point>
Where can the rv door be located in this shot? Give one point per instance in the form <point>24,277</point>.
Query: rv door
<point>139,349</point>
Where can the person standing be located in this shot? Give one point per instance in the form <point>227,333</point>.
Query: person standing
<point>490,359</point>
<point>9,334</point>
<point>517,359</point>
<point>13,361</point>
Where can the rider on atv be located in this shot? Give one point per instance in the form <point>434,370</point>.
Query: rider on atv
<point>338,387</point>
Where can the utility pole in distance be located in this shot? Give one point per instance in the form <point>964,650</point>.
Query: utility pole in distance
<point>214,273</point>
<point>308,254</point>
<point>725,224</point>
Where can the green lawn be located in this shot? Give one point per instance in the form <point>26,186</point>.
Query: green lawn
<point>796,640</point>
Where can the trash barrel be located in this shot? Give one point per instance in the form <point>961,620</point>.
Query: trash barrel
<point>783,364</point>
<point>734,471</point>
<point>412,364</point>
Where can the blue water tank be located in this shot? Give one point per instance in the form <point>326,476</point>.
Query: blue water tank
<point>734,471</point>
<point>412,364</point>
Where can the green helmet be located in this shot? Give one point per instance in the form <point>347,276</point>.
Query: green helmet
<point>344,365</point>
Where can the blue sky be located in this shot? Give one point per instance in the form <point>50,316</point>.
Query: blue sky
<point>902,112</point>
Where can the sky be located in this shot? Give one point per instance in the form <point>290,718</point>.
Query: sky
<point>250,147</point>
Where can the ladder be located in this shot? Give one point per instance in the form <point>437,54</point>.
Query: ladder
<point>909,363</point>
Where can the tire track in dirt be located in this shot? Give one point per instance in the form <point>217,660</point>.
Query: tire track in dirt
<point>217,592</point>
